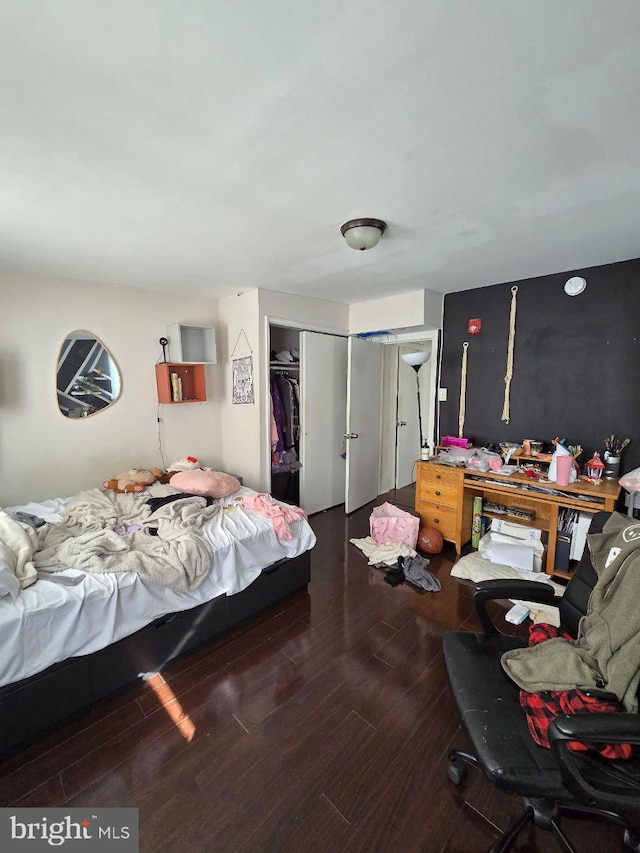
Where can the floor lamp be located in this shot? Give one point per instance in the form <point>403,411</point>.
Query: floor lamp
<point>416,360</point>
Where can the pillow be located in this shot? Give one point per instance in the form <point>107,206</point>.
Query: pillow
<point>205,482</point>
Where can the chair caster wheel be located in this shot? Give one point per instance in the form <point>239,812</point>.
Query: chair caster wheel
<point>456,773</point>
<point>631,841</point>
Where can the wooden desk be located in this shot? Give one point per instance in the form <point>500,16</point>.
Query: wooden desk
<point>444,500</point>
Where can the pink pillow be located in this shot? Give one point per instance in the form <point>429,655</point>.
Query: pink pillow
<point>205,482</point>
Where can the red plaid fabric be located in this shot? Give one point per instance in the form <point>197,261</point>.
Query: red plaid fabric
<point>542,708</point>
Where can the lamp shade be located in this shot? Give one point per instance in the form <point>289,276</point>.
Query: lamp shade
<point>363,233</point>
<point>416,359</point>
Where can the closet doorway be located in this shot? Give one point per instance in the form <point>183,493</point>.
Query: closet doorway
<point>400,428</point>
<point>308,403</point>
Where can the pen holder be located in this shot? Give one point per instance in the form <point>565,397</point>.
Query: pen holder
<point>611,467</point>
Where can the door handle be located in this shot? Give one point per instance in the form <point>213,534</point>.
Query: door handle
<point>351,435</point>
<point>402,423</point>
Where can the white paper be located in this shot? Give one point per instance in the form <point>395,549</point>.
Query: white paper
<point>579,535</point>
<point>520,556</point>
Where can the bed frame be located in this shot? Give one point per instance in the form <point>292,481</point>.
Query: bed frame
<point>30,707</point>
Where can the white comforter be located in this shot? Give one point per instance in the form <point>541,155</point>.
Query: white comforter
<point>49,622</point>
<point>177,557</point>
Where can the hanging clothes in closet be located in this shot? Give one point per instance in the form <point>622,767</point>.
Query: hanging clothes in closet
<point>285,422</point>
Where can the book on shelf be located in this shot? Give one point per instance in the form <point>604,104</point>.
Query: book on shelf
<point>175,388</point>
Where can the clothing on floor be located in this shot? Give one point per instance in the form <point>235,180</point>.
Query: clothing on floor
<point>385,554</point>
<point>394,575</point>
<point>416,572</point>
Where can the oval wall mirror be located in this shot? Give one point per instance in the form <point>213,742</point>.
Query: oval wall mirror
<point>87,377</point>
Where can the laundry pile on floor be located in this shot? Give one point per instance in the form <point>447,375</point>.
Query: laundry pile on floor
<point>399,562</point>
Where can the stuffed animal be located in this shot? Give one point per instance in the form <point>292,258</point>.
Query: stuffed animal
<point>187,463</point>
<point>133,480</point>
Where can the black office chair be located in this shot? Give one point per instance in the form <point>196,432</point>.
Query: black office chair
<point>553,782</point>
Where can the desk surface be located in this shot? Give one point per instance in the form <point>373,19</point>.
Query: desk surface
<point>545,499</point>
<point>607,491</point>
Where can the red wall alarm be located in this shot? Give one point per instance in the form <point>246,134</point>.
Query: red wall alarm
<point>474,326</point>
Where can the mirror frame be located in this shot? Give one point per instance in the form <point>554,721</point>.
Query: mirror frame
<point>115,364</point>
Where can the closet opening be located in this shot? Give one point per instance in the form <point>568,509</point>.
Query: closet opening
<point>285,417</point>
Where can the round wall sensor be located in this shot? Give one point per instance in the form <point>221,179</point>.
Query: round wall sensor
<point>575,286</point>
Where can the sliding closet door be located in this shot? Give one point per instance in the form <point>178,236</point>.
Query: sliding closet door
<point>323,365</point>
<point>364,422</point>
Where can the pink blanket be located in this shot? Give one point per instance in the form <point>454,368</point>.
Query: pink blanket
<point>280,516</point>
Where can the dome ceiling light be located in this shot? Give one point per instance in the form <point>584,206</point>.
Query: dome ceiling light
<point>363,233</point>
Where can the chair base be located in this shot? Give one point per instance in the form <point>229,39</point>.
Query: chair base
<point>544,813</point>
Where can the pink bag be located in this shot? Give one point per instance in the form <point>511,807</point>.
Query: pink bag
<point>388,523</point>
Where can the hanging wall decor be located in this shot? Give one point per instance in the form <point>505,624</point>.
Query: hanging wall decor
<point>463,389</point>
<point>512,339</point>
<point>242,372</point>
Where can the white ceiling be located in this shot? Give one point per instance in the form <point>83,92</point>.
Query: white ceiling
<point>212,146</point>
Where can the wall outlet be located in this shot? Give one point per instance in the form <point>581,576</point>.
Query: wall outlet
<point>442,395</point>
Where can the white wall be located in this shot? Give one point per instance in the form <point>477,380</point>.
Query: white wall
<point>420,308</point>
<point>240,425</point>
<point>43,454</point>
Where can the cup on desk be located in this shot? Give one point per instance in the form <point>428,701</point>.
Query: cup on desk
<point>563,469</point>
<point>611,466</point>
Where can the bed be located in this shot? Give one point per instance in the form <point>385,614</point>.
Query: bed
<point>65,647</point>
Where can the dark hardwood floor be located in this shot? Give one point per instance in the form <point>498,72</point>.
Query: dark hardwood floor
<point>323,724</point>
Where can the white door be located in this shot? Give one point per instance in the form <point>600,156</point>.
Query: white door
<point>364,419</point>
<point>323,368</point>
<point>407,432</point>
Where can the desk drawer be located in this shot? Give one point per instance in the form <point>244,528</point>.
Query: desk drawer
<point>443,518</point>
<point>441,475</point>
<point>439,492</point>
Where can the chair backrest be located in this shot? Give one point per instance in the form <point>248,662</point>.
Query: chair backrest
<point>576,596</point>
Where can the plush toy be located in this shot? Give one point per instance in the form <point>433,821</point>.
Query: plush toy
<point>187,463</point>
<point>133,480</point>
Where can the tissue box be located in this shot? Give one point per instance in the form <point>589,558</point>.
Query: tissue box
<point>453,441</point>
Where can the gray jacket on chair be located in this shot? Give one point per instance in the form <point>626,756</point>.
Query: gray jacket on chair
<point>606,653</point>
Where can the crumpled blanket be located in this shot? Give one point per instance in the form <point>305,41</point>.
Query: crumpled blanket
<point>177,557</point>
<point>18,541</point>
<point>278,514</point>
<point>387,554</point>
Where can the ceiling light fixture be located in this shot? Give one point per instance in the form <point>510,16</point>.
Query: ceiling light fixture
<point>363,233</point>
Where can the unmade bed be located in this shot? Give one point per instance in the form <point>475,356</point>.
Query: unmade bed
<point>65,647</point>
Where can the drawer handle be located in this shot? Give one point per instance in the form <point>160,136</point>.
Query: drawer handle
<point>436,521</point>
<point>438,476</point>
<point>437,492</point>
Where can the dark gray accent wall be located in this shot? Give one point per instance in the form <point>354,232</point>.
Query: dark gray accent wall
<point>576,360</point>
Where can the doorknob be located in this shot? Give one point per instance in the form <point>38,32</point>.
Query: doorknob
<point>351,435</point>
<point>402,423</point>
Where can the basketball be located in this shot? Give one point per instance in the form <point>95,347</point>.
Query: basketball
<point>430,540</point>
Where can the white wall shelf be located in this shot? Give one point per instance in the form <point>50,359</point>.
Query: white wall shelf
<point>192,344</point>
